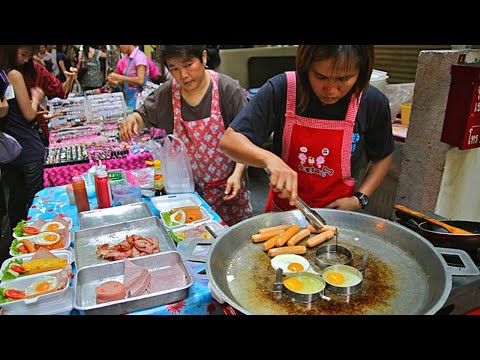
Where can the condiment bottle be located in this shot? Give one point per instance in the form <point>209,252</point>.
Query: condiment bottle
<point>158,181</point>
<point>80,193</point>
<point>104,194</point>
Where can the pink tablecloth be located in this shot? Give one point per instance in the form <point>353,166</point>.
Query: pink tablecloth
<point>62,175</point>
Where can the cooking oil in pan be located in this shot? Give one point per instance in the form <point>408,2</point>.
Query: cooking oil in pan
<point>390,285</point>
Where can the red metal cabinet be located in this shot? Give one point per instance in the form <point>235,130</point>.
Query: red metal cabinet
<point>461,126</point>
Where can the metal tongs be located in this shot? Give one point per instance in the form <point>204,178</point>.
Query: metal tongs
<point>311,215</point>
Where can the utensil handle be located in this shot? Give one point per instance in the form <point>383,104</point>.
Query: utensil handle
<point>452,229</point>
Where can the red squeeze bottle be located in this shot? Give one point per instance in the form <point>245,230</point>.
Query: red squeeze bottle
<point>80,193</point>
<point>103,189</point>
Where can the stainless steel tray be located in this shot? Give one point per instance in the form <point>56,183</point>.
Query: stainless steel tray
<point>113,215</point>
<point>87,241</point>
<point>88,278</point>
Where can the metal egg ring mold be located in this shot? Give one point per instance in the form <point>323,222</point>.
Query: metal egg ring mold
<point>280,290</point>
<point>329,249</point>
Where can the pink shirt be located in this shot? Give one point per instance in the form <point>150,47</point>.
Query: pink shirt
<point>154,70</point>
<point>138,58</point>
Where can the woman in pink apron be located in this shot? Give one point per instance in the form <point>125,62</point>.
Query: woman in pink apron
<point>325,119</point>
<point>197,105</point>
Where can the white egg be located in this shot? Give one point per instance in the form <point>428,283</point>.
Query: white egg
<point>46,238</point>
<point>341,277</point>
<point>52,225</point>
<point>290,263</point>
<point>42,284</point>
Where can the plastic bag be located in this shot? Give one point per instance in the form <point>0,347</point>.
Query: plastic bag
<point>10,148</point>
<point>176,167</point>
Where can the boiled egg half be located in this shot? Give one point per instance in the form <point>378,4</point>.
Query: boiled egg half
<point>290,263</point>
<point>341,276</point>
<point>46,238</point>
<point>52,225</point>
<point>41,285</point>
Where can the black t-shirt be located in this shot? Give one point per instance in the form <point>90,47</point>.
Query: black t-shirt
<point>372,138</point>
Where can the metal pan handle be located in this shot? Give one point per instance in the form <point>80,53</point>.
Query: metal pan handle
<point>469,268</point>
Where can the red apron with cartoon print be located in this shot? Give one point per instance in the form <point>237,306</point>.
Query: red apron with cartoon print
<point>319,151</point>
<point>210,166</point>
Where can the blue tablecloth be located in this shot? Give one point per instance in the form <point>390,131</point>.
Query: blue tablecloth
<point>54,200</point>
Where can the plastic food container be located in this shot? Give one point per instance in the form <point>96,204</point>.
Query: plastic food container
<point>165,203</point>
<point>197,270</point>
<point>199,231</point>
<point>31,222</point>
<point>61,305</point>
<point>66,245</point>
<point>41,301</point>
<point>126,194</point>
<point>63,254</point>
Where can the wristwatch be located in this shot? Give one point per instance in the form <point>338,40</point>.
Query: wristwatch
<point>362,198</point>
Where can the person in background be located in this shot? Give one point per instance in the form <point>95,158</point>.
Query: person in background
<point>44,58</point>
<point>24,175</point>
<point>135,76</point>
<point>152,68</point>
<point>53,54</point>
<point>185,105</point>
<point>213,56</point>
<point>36,75</point>
<point>325,117</point>
<point>89,64</point>
<point>63,62</point>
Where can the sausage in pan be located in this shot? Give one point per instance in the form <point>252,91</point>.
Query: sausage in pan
<point>278,227</point>
<point>270,243</point>
<point>266,235</point>
<point>282,240</point>
<point>323,229</point>
<point>320,238</point>
<point>295,239</point>
<point>300,250</point>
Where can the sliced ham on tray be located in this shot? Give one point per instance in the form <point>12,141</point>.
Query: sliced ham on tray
<point>172,277</point>
<point>136,279</point>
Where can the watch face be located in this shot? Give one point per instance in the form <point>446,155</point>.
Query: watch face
<point>362,198</point>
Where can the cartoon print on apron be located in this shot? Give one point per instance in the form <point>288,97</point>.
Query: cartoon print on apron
<point>319,150</point>
<point>210,166</point>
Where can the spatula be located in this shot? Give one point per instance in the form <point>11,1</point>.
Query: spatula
<point>449,228</point>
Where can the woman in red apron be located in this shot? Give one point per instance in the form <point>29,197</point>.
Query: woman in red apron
<point>197,105</point>
<point>324,117</point>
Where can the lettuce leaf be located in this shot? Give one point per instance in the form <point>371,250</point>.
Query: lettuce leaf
<point>18,230</point>
<point>6,275</point>
<point>14,247</point>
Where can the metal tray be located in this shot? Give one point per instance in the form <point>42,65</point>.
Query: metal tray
<point>87,241</point>
<point>88,278</point>
<point>113,215</point>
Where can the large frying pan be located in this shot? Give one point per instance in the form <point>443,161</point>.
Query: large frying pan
<point>404,275</point>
